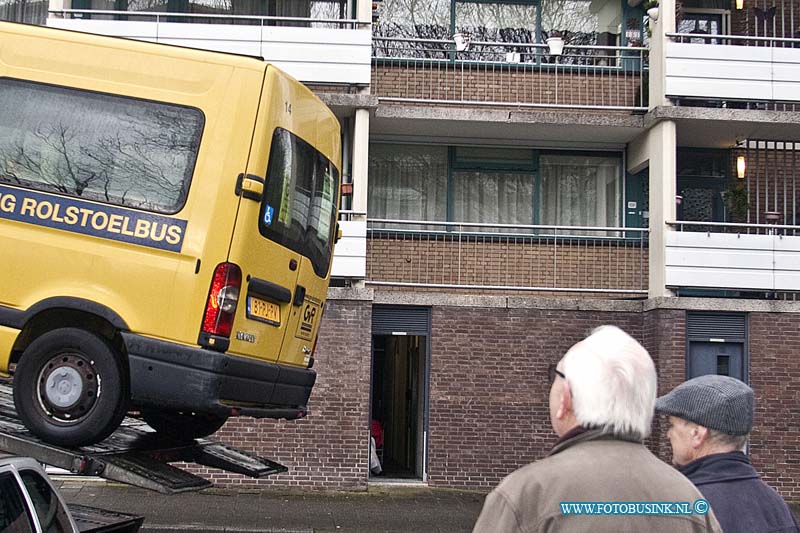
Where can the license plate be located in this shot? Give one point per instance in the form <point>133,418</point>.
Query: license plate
<point>259,309</point>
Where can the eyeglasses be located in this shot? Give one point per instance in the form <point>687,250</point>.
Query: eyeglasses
<point>552,372</point>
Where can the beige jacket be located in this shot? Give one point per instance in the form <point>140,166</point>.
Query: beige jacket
<point>591,467</point>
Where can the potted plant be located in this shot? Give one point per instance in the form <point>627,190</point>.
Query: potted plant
<point>735,198</point>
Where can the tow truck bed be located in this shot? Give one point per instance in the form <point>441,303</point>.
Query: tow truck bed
<point>133,454</point>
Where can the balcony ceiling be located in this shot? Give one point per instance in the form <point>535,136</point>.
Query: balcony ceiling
<point>536,128</point>
<point>700,127</point>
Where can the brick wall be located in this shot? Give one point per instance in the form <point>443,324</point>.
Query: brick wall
<point>488,412</point>
<point>665,339</point>
<point>775,378</point>
<point>771,181</point>
<point>329,448</point>
<point>489,392</point>
<point>747,21</point>
<point>524,84</point>
<point>508,262</point>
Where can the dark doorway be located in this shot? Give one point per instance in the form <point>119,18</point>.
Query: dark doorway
<point>398,403</point>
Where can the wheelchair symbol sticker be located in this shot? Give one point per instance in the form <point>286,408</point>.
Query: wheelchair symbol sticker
<point>268,212</point>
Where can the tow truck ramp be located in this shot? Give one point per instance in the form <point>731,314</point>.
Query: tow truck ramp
<point>134,454</point>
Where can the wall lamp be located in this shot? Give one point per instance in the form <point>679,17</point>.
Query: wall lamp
<point>741,167</point>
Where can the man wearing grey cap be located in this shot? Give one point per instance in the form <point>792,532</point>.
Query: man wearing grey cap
<point>710,421</point>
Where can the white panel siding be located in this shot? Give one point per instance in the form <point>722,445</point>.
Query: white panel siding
<point>725,71</point>
<point>787,263</point>
<point>731,261</point>
<point>786,73</point>
<point>719,260</point>
<point>350,254</point>
<point>315,55</point>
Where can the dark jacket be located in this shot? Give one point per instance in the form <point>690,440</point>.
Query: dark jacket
<point>738,496</point>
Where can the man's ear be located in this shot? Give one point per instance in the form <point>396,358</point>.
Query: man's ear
<point>565,401</point>
<point>699,436</point>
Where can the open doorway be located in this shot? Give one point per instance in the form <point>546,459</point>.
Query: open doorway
<point>399,365</point>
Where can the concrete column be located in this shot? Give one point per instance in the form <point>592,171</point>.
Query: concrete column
<point>360,160</point>
<point>58,5</point>
<point>364,10</point>
<point>662,145</point>
<point>658,39</point>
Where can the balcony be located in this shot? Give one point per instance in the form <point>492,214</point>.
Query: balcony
<point>739,234</point>
<point>313,50</point>
<point>737,257</point>
<point>507,259</point>
<point>519,75</point>
<point>733,71</point>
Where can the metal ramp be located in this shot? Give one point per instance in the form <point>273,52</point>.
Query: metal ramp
<point>134,454</point>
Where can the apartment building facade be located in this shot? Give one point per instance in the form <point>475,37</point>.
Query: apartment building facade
<point>517,173</point>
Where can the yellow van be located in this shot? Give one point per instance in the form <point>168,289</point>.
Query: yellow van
<point>167,220</point>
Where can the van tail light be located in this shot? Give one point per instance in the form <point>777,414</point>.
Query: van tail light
<point>222,300</point>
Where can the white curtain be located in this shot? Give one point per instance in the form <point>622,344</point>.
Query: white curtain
<point>493,197</point>
<point>407,182</point>
<point>580,190</point>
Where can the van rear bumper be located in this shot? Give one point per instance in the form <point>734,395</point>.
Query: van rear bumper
<point>172,376</point>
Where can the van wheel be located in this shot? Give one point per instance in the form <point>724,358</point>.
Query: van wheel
<point>182,425</point>
<point>70,388</point>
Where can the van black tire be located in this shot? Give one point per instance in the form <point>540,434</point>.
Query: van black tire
<point>71,388</point>
<point>180,425</point>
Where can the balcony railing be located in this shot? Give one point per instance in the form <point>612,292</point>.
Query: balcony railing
<point>739,71</point>
<point>206,18</point>
<point>734,257</point>
<point>313,50</point>
<point>501,258</point>
<point>509,74</point>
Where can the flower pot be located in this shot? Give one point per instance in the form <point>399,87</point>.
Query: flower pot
<point>461,41</point>
<point>652,13</point>
<point>556,45</point>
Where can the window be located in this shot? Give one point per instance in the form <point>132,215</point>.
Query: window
<point>580,190</point>
<point>407,182</point>
<point>101,147</point>
<point>51,513</point>
<point>13,515</point>
<point>298,210</point>
<point>580,22</point>
<point>494,185</point>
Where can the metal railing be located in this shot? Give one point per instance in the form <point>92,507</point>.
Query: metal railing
<point>735,227</point>
<point>207,18</point>
<point>503,74</point>
<point>739,40</point>
<point>504,257</point>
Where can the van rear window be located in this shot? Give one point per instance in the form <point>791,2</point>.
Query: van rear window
<point>112,149</point>
<point>299,208</point>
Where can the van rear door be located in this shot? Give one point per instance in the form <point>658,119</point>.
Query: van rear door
<point>269,270</point>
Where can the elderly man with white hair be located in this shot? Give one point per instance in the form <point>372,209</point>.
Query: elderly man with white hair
<point>599,476</point>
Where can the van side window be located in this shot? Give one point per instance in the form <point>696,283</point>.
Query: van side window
<point>13,517</point>
<point>299,208</point>
<point>52,516</point>
<point>113,149</point>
